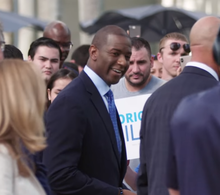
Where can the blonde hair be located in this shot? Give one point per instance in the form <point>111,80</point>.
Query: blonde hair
<point>22,101</point>
<point>173,35</point>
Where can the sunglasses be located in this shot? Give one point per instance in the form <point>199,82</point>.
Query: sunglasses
<point>67,45</point>
<point>175,46</point>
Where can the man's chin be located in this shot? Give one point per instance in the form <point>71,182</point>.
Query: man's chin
<point>46,79</point>
<point>135,83</point>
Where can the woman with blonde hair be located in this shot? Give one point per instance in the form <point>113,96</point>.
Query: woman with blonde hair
<point>22,101</point>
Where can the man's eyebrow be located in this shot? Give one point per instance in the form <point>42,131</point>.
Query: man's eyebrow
<point>171,51</point>
<point>115,49</point>
<point>141,60</point>
<point>43,57</point>
<point>54,59</point>
<point>58,89</point>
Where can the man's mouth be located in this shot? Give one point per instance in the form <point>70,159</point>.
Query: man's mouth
<point>47,72</point>
<point>117,71</point>
<point>136,75</point>
<point>64,56</point>
<point>176,66</point>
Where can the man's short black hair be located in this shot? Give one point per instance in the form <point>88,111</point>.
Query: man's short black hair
<point>43,41</point>
<point>81,55</point>
<point>12,52</point>
<point>138,43</point>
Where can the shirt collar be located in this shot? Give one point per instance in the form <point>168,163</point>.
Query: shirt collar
<point>204,67</point>
<point>101,85</point>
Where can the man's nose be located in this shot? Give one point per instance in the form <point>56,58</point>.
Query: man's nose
<point>135,68</point>
<point>122,60</point>
<point>48,64</point>
<point>178,58</point>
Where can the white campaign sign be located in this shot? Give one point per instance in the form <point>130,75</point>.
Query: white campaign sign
<point>130,112</point>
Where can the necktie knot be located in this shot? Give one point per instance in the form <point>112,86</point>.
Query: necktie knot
<point>109,95</point>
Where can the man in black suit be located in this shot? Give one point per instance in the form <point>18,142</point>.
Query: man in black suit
<point>86,151</point>
<point>198,75</point>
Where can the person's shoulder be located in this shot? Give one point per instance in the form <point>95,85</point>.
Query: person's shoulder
<point>198,106</point>
<point>158,80</point>
<point>118,85</point>
<point>4,149</point>
<point>119,90</point>
<point>202,99</point>
<point>5,152</point>
<point>73,89</point>
<point>161,87</point>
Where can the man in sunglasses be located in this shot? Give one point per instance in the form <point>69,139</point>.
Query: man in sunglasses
<point>172,46</point>
<point>60,33</point>
<point>199,74</point>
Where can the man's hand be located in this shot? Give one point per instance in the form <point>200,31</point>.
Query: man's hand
<point>127,192</point>
<point>179,70</point>
<point>173,192</point>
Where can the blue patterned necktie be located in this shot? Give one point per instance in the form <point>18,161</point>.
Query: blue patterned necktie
<point>113,116</point>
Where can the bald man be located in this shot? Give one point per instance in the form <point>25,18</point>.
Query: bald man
<point>200,74</point>
<point>194,154</point>
<point>86,150</point>
<point>59,32</point>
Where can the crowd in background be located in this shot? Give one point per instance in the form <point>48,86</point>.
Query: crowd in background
<point>60,131</point>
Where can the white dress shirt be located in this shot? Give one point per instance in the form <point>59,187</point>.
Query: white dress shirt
<point>101,85</point>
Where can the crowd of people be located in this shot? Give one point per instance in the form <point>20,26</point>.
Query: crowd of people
<point>60,131</point>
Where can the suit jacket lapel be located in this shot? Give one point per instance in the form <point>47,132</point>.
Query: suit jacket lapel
<point>101,108</point>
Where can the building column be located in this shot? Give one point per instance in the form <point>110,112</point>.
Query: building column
<point>88,10</point>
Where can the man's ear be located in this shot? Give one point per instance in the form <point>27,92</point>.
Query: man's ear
<point>159,57</point>
<point>93,51</point>
<point>29,58</point>
<point>151,62</point>
<point>48,94</point>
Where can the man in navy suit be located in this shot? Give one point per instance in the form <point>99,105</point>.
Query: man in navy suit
<point>198,75</point>
<point>194,155</point>
<point>85,153</point>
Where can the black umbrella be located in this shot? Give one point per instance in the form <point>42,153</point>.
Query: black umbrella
<point>12,22</point>
<point>155,20</point>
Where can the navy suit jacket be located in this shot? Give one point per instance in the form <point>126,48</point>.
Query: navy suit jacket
<point>82,155</point>
<point>155,126</point>
<point>41,172</point>
<point>193,165</point>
